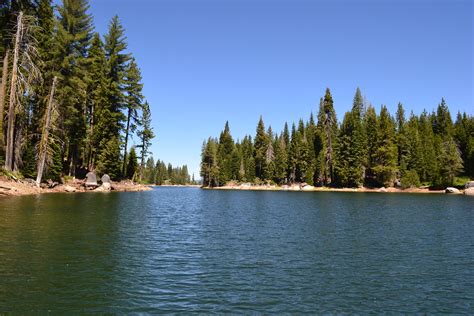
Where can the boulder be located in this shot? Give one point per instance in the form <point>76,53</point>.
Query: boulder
<point>91,180</point>
<point>105,178</point>
<point>104,187</point>
<point>469,191</point>
<point>382,189</point>
<point>69,188</point>
<point>452,190</point>
<point>470,184</point>
<point>308,188</point>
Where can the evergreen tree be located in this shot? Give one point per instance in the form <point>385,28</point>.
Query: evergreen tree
<point>429,167</point>
<point>115,46</point>
<point>327,125</point>
<point>73,38</point>
<point>209,167</point>
<point>248,161</point>
<point>97,101</point>
<point>352,146</point>
<point>109,160</point>
<point>132,164</point>
<point>269,169</point>
<point>464,136</point>
<point>294,154</point>
<point>261,143</point>
<point>385,167</point>
<point>281,160</point>
<point>134,98</point>
<point>450,162</point>
<point>224,155</point>
<point>145,134</point>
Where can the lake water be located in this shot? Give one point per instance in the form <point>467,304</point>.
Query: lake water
<point>191,250</point>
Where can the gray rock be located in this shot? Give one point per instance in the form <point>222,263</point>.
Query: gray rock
<point>469,191</point>
<point>105,178</point>
<point>91,179</point>
<point>470,184</point>
<point>104,187</point>
<point>382,189</point>
<point>452,190</point>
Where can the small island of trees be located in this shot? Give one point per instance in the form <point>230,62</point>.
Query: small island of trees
<point>366,149</point>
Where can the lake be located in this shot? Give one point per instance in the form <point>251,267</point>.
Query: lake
<point>190,250</point>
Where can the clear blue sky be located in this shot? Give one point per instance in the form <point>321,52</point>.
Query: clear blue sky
<point>205,62</point>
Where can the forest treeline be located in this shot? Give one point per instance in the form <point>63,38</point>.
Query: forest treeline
<point>160,173</point>
<point>70,99</point>
<point>366,149</point>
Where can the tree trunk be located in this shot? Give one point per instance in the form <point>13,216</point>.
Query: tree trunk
<point>11,105</point>
<point>43,147</point>
<point>90,164</point>
<point>3,90</point>
<point>124,167</point>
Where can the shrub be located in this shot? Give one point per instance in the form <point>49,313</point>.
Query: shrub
<point>410,179</point>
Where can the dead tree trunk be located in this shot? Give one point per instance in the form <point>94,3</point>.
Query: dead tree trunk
<point>11,104</point>
<point>43,146</point>
<point>3,90</point>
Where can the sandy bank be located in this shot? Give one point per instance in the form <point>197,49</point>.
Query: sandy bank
<point>298,188</point>
<point>22,187</point>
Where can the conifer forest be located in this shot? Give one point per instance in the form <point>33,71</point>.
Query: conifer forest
<point>367,148</point>
<point>70,99</point>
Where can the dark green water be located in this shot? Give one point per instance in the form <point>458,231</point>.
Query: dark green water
<point>190,250</point>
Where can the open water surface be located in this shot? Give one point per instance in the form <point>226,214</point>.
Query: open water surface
<point>190,250</point>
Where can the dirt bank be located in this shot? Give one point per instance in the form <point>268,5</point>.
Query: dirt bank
<point>27,187</point>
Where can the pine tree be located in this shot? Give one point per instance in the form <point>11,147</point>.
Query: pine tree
<point>73,38</point>
<point>269,169</point>
<point>115,45</point>
<point>97,102</point>
<point>209,167</point>
<point>429,168</point>
<point>145,134</point>
<point>327,125</point>
<point>385,167</point>
<point>109,160</point>
<point>352,146</point>
<point>293,156</point>
<point>464,136</point>
<point>261,143</point>
<point>132,165</point>
<point>281,160</point>
<point>248,161</point>
<point>443,124</point>
<point>450,162</point>
<point>134,98</point>
<point>412,156</point>
<point>224,155</point>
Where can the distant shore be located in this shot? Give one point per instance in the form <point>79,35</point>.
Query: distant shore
<point>22,187</point>
<point>298,188</point>
<point>177,185</point>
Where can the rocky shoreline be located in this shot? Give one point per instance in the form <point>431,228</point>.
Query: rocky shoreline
<point>309,188</point>
<point>22,187</point>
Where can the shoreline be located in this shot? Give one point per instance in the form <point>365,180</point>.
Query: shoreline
<point>297,188</point>
<point>175,185</point>
<point>22,188</point>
